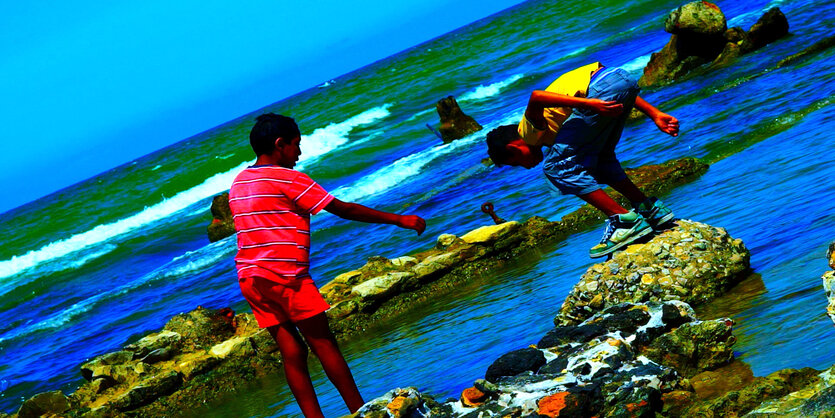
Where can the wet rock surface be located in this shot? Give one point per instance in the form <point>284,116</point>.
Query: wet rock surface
<point>700,36</point>
<point>222,225</point>
<point>692,262</point>
<point>829,282</point>
<point>206,351</point>
<point>455,124</point>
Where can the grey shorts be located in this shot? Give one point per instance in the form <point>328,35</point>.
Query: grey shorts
<point>583,155</point>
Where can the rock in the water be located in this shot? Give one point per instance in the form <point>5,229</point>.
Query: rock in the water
<point>700,36</point>
<point>829,288</point>
<point>739,402</point>
<point>47,403</point>
<point>695,347</point>
<point>830,255</point>
<point>202,328</point>
<point>692,262</point>
<point>454,123</point>
<point>383,286</point>
<point>515,362</point>
<point>222,225</point>
<point>818,46</point>
<point>770,27</point>
<point>698,17</point>
<point>486,235</point>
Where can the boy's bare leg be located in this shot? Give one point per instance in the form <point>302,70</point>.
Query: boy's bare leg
<point>318,335</point>
<point>294,354</point>
<point>603,202</point>
<point>629,190</point>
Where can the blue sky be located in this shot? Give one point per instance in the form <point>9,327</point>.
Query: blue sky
<point>88,85</point>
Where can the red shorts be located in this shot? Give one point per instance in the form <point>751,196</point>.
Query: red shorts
<point>273,303</point>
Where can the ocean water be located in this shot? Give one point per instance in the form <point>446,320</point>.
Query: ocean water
<point>95,266</point>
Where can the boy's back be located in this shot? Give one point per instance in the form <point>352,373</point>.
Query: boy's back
<point>271,208</point>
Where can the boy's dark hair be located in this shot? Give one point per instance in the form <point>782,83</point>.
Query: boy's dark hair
<point>268,127</point>
<point>497,141</point>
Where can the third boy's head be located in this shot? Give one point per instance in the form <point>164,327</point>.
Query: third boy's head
<point>278,137</point>
<point>505,147</point>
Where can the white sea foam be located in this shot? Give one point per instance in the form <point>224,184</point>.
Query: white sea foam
<point>327,139</point>
<point>399,171</point>
<point>636,66</point>
<point>318,143</point>
<point>751,17</point>
<point>482,92</point>
<point>180,266</point>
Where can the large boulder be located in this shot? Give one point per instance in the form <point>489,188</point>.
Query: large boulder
<point>454,123</point>
<point>698,17</point>
<point>692,262</point>
<point>222,225</point>
<point>700,36</point>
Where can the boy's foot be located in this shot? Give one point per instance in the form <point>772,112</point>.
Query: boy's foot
<point>621,230</point>
<point>655,212</point>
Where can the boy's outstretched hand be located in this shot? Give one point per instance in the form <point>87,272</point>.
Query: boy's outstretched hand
<point>412,222</point>
<point>666,123</point>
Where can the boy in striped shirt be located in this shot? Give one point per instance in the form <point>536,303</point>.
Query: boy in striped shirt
<point>271,206</point>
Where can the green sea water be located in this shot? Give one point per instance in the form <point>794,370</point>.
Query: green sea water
<point>95,266</point>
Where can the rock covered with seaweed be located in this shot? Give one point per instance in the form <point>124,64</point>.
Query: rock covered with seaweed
<point>699,36</point>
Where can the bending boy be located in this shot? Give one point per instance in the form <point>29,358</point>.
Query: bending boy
<point>271,206</point>
<point>580,118</point>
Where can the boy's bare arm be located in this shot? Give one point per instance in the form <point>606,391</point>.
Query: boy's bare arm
<point>666,123</point>
<point>541,99</point>
<point>357,212</point>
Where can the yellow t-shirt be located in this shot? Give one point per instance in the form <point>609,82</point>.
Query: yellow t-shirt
<point>573,83</point>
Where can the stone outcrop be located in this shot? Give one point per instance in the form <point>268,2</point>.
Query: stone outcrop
<point>700,36</point>
<point>600,367</point>
<point>653,359</point>
<point>222,225</point>
<point>692,262</point>
<point>819,46</point>
<point>455,124</point>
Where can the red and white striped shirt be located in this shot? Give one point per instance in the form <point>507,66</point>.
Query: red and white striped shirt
<point>271,207</point>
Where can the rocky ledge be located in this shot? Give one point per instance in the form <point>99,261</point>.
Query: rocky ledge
<point>206,351</point>
<point>649,358</point>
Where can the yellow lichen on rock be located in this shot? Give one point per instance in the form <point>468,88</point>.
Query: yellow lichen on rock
<point>489,234</point>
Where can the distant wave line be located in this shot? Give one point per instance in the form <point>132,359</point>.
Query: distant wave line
<point>482,92</point>
<point>318,143</point>
<point>177,267</point>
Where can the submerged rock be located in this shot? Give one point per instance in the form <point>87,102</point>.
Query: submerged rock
<point>222,224</point>
<point>47,403</point>
<point>692,262</point>
<point>454,123</point>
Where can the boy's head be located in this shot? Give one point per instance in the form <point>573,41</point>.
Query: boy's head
<point>277,136</point>
<point>506,147</point>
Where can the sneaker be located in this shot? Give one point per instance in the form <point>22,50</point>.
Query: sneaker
<point>655,212</point>
<point>621,230</point>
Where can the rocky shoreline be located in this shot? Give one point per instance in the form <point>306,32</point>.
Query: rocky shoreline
<point>625,344</point>
<point>206,351</point>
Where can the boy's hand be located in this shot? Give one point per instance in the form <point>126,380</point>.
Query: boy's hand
<point>666,123</point>
<point>412,222</point>
<point>605,108</point>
